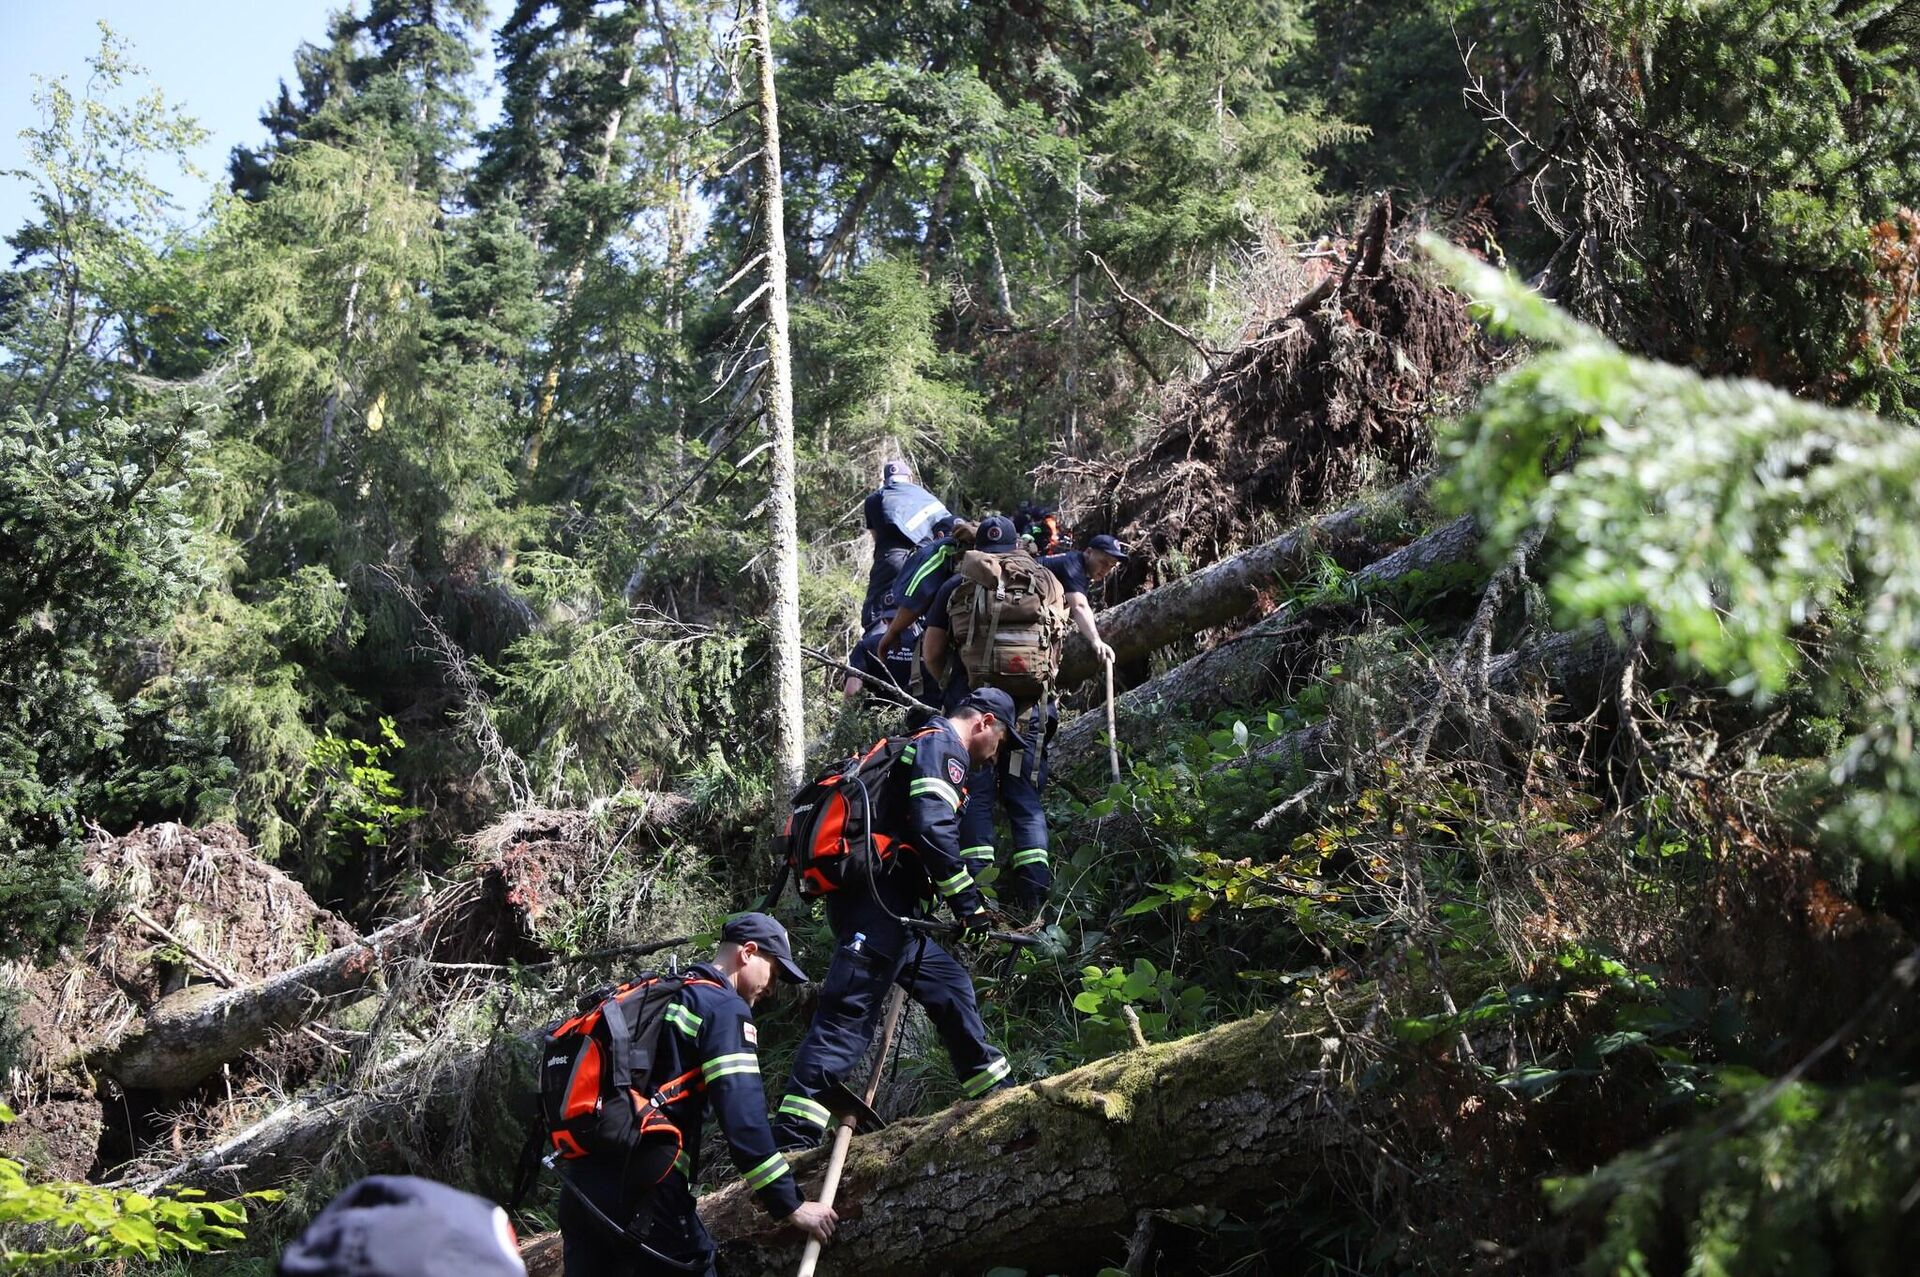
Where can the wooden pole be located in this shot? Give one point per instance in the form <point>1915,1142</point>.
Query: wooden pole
<point>1113,732</point>
<point>843,1134</point>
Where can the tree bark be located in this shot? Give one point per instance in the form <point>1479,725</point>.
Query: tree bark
<point>1057,1172</point>
<point>1235,672</point>
<point>1225,590</point>
<point>789,715</point>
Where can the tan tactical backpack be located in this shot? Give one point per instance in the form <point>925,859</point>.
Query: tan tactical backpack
<point>1008,619</point>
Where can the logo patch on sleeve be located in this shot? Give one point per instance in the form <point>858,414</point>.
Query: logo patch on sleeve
<point>751,1033</point>
<point>955,772</point>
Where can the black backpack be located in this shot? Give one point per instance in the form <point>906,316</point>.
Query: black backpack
<point>598,1094</point>
<point>834,836</point>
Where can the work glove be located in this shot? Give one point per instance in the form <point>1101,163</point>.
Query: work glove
<point>970,911</point>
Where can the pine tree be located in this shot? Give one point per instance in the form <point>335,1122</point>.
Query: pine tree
<point>1737,185</point>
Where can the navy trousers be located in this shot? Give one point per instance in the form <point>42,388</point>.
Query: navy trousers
<point>875,953</point>
<point>1015,784</point>
<point>663,1215</point>
<point>886,566</point>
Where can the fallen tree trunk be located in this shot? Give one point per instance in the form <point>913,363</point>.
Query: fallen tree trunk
<point>1575,664</point>
<point>445,1111</point>
<point>1233,586</point>
<point>1057,1172</point>
<point>1232,673</point>
<point>186,1037</point>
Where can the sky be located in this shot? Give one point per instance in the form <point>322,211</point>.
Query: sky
<point>222,60</point>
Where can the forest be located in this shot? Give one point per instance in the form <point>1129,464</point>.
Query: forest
<point>431,550</point>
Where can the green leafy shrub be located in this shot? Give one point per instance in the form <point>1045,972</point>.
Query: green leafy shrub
<point>53,1224</point>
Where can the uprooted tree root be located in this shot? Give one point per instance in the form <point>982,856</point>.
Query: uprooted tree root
<point>1334,395</point>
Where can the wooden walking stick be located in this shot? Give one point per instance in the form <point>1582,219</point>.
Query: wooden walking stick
<point>843,1134</point>
<point>1113,735</point>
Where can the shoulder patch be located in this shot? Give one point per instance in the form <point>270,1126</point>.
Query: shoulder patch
<point>956,772</point>
<point>750,1033</point>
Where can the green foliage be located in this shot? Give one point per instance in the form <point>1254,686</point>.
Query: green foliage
<point>97,553</point>
<point>1802,1179</point>
<point>354,794</point>
<point>1736,514</point>
<point>1741,176</point>
<point>56,1224</point>
<point>92,296</point>
<point>1105,991</point>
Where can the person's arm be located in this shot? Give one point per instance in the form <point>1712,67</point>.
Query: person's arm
<point>730,1069</point>
<point>1082,612</point>
<point>936,777</point>
<point>903,619</point>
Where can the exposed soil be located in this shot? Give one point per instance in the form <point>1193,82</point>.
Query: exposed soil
<point>226,911</point>
<point>56,1139</point>
<point>224,906</point>
<point>1332,394</point>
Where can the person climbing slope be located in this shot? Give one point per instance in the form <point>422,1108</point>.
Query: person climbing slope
<point>916,819</point>
<point>707,1058</point>
<point>1000,622</point>
<point>901,515</point>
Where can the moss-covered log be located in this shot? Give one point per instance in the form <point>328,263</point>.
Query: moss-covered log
<point>1236,672</point>
<point>1232,587</point>
<point>1055,1173</point>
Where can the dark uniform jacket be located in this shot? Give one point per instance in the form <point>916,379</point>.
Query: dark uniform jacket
<point>926,570</point>
<point>901,515</point>
<point>925,792</point>
<point>709,1059</point>
<point>1070,569</point>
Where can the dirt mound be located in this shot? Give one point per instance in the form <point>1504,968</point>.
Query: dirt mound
<point>57,1139</point>
<point>1332,394</point>
<point>179,906</point>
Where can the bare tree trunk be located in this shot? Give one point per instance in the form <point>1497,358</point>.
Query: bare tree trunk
<point>840,238</point>
<point>789,715</point>
<point>1073,318</point>
<point>937,215</point>
<point>982,194</point>
<point>1223,591</point>
<point>679,220</point>
<point>185,1039</point>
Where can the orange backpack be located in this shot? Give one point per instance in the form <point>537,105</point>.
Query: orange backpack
<point>833,836</point>
<point>596,1078</point>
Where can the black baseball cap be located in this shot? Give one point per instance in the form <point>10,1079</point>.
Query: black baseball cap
<point>1108,546</point>
<point>944,524</point>
<point>997,535</point>
<point>991,700</point>
<point>404,1226</point>
<point>896,469</point>
<point>764,931</point>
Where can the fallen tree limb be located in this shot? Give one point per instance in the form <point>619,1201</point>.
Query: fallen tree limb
<point>1229,674</point>
<point>1578,665</point>
<point>1228,589</point>
<point>1055,1173</point>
